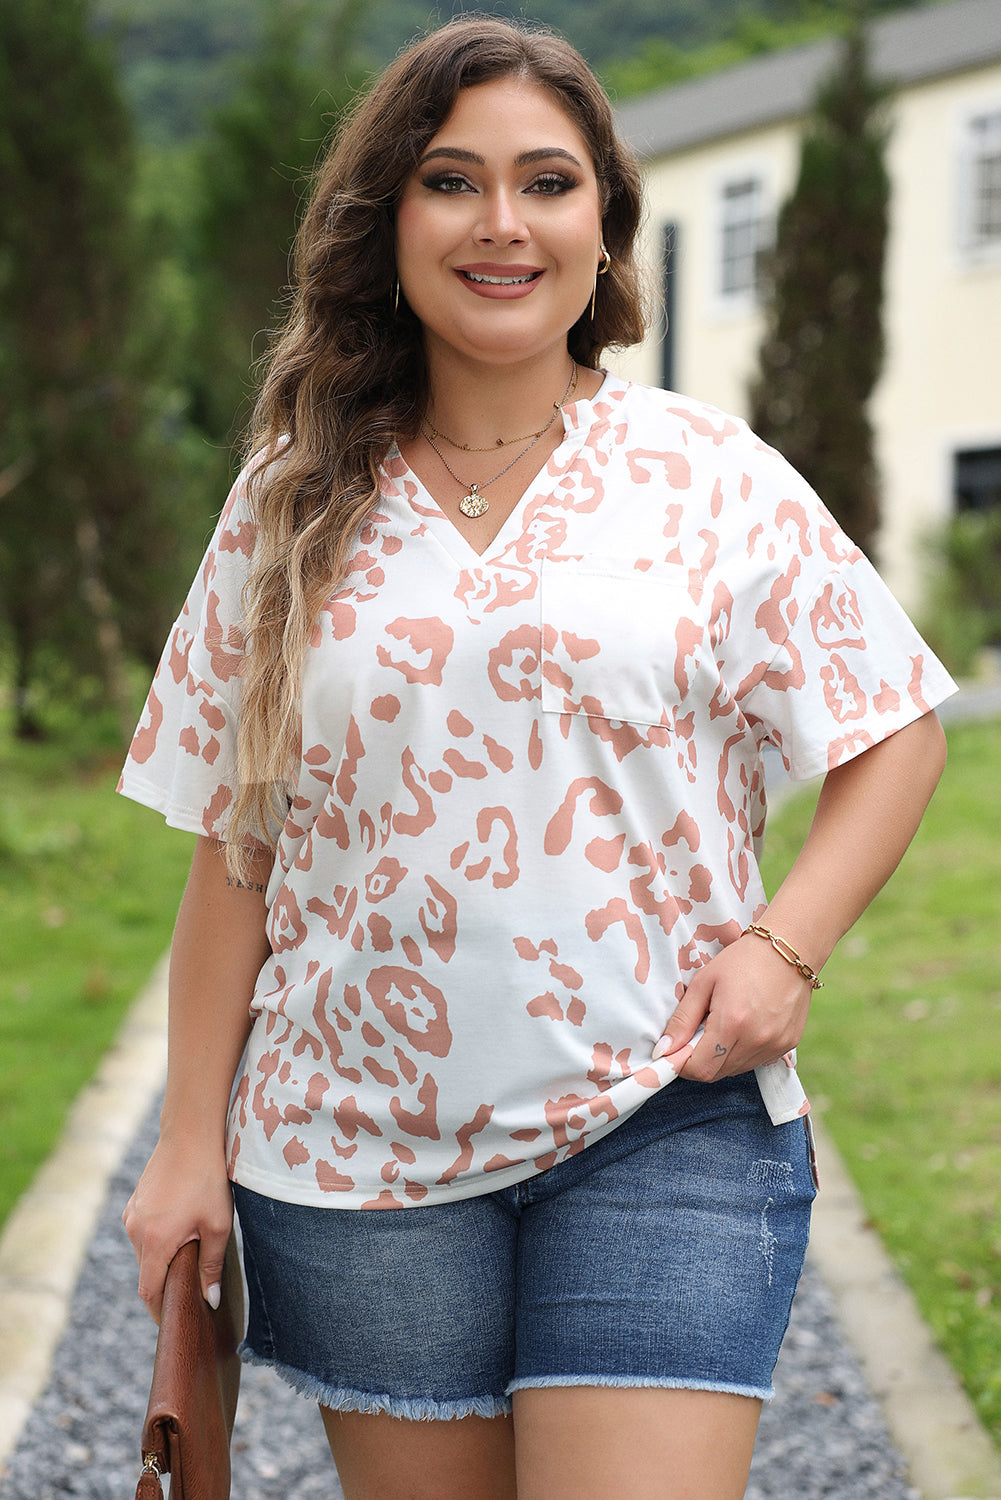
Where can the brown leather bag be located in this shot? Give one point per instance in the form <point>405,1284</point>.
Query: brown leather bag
<point>196,1380</point>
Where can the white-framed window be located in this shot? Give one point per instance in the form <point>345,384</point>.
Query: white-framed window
<point>980,203</point>
<point>746,232</point>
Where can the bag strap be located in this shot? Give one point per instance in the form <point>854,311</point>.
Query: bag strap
<point>149,1486</point>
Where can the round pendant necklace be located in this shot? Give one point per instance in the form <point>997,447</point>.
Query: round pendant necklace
<point>474,503</point>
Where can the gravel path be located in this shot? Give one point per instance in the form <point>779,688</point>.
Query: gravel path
<point>822,1438</point>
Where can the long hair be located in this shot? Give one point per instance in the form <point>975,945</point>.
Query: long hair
<point>347,374</point>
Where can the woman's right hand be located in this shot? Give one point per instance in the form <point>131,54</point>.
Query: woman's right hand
<point>183,1194</point>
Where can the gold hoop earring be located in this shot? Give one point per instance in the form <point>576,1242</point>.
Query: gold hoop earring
<point>602,270</point>
<point>396,299</point>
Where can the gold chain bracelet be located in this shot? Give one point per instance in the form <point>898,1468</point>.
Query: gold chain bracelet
<point>787,951</point>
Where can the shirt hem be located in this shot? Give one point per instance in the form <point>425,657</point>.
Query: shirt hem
<point>781,1094</point>
<point>147,794</point>
<point>474,1186</point>
<point>878,730</point>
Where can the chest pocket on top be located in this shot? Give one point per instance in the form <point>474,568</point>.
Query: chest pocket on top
<point>622,644</point>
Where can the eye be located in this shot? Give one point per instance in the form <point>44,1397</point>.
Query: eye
<point>446,182</point>
<point>552,184</point>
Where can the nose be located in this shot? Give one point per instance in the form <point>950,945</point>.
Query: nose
<point>501,220</point>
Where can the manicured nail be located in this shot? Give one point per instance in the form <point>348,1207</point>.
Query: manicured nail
<point>214,1296</point>
<point>663,1047</point>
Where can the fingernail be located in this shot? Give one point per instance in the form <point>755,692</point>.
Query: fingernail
<point>663,1047</point>
<point>214,1296</point>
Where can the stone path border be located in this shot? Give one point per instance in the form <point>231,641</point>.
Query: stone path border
<point>930,1418</point>
<point>46,1237</point>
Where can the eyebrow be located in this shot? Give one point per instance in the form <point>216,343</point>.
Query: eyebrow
<point>523,159</point>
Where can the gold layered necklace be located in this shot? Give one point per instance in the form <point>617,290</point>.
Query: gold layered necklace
<point>526,437</point>
<point>474,503</point>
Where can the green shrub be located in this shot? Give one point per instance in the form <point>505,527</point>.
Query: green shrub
<point>964,611</point>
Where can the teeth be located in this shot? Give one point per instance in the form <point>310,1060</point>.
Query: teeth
<point>501,280</point>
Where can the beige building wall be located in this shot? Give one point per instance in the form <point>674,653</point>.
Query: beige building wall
<point>941,387</point>
<point>716,339</point>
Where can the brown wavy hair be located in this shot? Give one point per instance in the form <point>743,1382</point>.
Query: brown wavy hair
<point>347,375</point>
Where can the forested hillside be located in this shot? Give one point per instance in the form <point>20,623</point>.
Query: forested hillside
<point>177,55</point>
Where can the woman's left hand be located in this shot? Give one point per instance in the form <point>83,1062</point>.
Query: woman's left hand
<point>752,1003</point>
<point>753,1007</point>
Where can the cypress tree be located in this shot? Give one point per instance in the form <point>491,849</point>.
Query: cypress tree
<point>81,538</point>
<point>249,178</point>
<point>823,347</point>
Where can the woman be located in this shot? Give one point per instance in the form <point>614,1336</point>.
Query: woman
<point>467,707</point>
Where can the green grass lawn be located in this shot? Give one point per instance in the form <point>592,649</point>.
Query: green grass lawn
<point>903,1056</point>
<point>89,886</point>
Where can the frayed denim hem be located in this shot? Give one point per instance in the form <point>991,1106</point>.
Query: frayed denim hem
<point>646,1382</point>
<point>372,1403</point>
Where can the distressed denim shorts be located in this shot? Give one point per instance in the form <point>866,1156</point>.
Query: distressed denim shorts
<point>665,1254</point>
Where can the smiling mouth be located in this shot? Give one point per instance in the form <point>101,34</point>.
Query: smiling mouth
<point>501,280</point>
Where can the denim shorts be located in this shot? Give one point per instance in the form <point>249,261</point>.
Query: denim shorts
<point>665,1254</point>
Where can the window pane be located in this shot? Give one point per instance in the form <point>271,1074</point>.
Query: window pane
<point>988,207</point>
<point>745,233</point>
<point>977,478</point>
<point>983,176</point>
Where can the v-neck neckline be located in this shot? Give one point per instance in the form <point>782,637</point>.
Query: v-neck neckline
<point>578,417</point>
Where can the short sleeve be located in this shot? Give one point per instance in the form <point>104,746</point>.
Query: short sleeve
<point>182,761</point>
<point>821,659</point>
<point>850,671</point>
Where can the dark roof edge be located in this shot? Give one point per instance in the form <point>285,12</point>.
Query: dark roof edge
<point>906,47</point>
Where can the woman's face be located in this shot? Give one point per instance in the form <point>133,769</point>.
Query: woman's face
<point>498,232</point>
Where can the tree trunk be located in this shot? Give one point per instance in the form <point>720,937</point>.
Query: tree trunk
<point>26,726</point>
<point>109,638</point>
